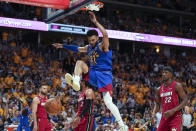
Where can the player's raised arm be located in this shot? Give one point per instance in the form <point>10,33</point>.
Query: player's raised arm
<point>105,40</point>
<point>71,47</point>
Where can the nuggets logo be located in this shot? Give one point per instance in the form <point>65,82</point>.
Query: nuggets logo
<point>30,118</point>
<point>92,57</point>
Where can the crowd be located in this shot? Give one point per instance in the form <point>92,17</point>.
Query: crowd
<point>20,11</point>
<point>118,18</point>
<point>181,5</point>
<point>24,67</point>
<point>140,22</point>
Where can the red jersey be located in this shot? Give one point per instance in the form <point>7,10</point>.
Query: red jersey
<point>169,98</point>
<point>41,112</point>
<point>82,103</point>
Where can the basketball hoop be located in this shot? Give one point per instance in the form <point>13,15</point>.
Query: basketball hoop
<point>95,6</point>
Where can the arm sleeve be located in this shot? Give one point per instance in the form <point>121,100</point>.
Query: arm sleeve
<point>71,47</point>
<point>87,107</point>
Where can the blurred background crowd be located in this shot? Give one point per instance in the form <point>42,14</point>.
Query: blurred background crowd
<point>25,64</point>
<point>136,75</point>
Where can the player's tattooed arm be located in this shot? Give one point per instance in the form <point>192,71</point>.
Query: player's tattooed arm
<point>182,95</point>
<point>89,101</point>
<point>105,41</point>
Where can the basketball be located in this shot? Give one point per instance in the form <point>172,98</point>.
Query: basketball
<point>53,106</point>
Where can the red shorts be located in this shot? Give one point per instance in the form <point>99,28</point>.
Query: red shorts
<point>86,124</point>
<point>170,124</point>
<point>44,125</point>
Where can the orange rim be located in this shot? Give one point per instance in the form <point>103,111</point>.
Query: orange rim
<point>100,5</point>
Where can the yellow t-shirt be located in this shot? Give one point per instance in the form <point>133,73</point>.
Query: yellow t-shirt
<point>1,112</point>
<point>33,95</point>
<point>40,60</point>
<point>38,11</point>
<point>9,81</point>
<point>16,59</point>
<point>29,61</point>
<point>146,90</point>
<point>2,82</point>
<point>13,44</point>
<point>194,116</point>
<point>132,89</point>
<point>15,94</point>
<point>56,82</point>
<point>24,52</point>
<point>190,90</point>
<point>5,35</point>
<point>139,97</point>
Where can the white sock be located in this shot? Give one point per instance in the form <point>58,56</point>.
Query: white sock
<point>112,107</point>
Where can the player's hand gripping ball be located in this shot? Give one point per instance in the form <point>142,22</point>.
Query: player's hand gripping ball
<point>53,106</point>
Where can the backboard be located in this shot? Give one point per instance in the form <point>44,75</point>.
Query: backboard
<point>75,5</point>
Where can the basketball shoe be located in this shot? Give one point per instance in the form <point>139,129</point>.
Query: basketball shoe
<point>73,81</point>
<point>124,128</point>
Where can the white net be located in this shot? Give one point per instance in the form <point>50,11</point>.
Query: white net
<point>93,7</point>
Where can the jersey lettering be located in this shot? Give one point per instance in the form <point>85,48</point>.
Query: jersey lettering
<point>93,55</point>
<point>166,94</point>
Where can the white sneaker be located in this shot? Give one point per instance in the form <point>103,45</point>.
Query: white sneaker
<point>74,83</point>
<point>124,128</point>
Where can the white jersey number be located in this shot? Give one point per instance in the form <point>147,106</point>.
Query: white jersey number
<point>167,99</point>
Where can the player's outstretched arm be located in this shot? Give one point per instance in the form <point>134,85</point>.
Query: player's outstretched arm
<point>71,47</point>
<point>105,40</point>
<point>34,113</point>
<point>182,95</point>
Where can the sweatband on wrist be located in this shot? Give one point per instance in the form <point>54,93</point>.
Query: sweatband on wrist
<point>71,47</point>
<point>87,107</point>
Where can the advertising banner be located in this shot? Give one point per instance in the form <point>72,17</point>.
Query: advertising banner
<point>24,24</point>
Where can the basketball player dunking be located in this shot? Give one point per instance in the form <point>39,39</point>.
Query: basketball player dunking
<point>83,121</point>
<point>168,95</point>
<point>100,73</point>
<point>40,119</point>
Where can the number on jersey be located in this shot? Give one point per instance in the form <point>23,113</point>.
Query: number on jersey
<point>167,99</point>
